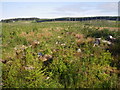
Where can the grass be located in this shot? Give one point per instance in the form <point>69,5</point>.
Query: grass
<point>67,68</point>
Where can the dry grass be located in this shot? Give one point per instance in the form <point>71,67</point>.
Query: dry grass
<point>77,54</point>
<point>109,28</point>
<point>46,29</point>
<point>80,41</point>
<point>90,39</point>
<point>79,36</point>
<point>29,37</point>
<point>111,70</point>
<point>30,34</point>
<point>39,35</point>
<point>23,34</point>
<point>58,29</point>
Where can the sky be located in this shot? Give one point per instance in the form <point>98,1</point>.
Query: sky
<point>58,8</point>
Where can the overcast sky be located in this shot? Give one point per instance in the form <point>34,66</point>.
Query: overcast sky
<point>53,9</point>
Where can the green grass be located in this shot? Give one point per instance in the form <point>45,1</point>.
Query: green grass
<point>68,68</point>
<point>102,23</point>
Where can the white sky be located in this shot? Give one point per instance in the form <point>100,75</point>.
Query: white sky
<point>57,8</point>
<point>59,0</point>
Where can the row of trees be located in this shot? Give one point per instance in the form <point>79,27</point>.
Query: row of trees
<point>115,18</point>
<point>81,19</point>
<point>19,19</point>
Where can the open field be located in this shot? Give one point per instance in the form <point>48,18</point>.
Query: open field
<point>60,55</point>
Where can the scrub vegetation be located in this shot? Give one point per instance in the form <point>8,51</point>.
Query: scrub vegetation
<point>60,54</point>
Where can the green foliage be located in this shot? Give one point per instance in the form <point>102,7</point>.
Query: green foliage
<point>103,33</point>
<point>67,68</point>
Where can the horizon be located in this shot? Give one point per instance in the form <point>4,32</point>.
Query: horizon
<point>58,17</point>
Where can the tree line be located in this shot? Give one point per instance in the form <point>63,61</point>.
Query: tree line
<point>114,18</point>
